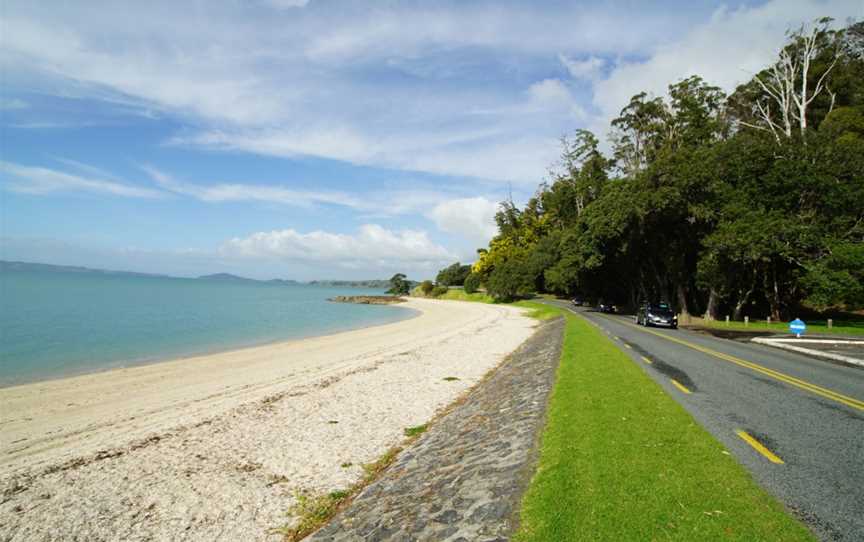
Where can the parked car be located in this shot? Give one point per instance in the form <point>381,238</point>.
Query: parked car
<point>577,302</point>
<point>656,314</point>
<point>607,307</point>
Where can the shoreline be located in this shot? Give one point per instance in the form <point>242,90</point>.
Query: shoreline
<point>156,360</point>
<point>222,448</point>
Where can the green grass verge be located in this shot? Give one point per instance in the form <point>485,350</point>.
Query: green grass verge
<point>817,326</point>
<point>458,294</point>
<point>621,460</point>
<point>539,310</point>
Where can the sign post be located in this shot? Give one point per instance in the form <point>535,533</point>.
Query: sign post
<point>797,326</point>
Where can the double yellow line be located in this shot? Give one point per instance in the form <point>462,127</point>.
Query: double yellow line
<point>777,375</point>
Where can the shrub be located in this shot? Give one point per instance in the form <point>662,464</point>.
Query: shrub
<point>438,291</point>
<point>426,287</point>
<point>472,283</point>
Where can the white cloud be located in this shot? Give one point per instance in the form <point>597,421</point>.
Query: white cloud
<point>308,82</point>
<point>296,81</point>
<point>372,245</point>
<point>553,95</point>
<point>40,180</point>
<point>287,4</point>
<point>725,51</point>
<point>12,104</point>
<point>471,218</point>
<point>520,157</point>
<point>249,192</point>
<point>589,69</point>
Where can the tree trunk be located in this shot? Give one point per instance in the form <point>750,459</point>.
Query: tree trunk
<point>774,298</point>
<point>682,303</point>
<point>711,309</point>
<point>743,299</point>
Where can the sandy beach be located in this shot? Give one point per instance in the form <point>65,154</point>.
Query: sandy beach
<point>217,447</point>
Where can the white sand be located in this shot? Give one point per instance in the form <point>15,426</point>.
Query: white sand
<point>216,447</point>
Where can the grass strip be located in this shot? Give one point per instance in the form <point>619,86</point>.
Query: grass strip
<point>621,460</point>
<point>458,294</point>
<point>819,326</point>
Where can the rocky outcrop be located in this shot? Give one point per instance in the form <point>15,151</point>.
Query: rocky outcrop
<point>367,299</point>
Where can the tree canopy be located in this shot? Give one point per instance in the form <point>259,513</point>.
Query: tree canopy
<point>747,203</point>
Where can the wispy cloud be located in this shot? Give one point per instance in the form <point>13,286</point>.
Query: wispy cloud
<point>472,218</point>
<point>394,85</point>
<point>248,192</point>
<point>748,36</point>
<point>12,104</point>
<point>589,68</point>
<point>41,180</point>
<point>343,80</point>
<point>371,245</point>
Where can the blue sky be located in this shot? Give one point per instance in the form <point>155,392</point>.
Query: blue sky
<point>323,139</point>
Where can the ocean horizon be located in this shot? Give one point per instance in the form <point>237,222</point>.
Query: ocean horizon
<point>60,324</point>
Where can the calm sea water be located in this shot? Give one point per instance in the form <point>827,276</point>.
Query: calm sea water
<point>62,324</point>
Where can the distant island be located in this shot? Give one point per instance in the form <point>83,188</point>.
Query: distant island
<point>227,277</point>
<point>49,268</point>
<point>223,277</point>
<point>352,283</point>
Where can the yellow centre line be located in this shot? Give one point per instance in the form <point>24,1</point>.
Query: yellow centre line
<point>646,360</point>
<point>680,386</point>
<point>759,447</point>
<point>777,375</point>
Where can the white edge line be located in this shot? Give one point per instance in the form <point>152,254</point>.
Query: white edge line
<point>809,352</point>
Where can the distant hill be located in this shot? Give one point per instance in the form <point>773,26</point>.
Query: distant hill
<point>375,283</point>
<point>224,277</point>
<point>227,277</point>
<point>283,282</point>
<point>49,268</point>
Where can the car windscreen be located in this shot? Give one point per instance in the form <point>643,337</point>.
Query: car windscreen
<point>662,307</point>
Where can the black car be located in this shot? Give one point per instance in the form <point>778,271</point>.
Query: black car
<point>656,314</point>
<point>577,301</point>
<point>607,307</point>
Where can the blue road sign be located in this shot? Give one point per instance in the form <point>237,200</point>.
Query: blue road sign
<point>797,326</point>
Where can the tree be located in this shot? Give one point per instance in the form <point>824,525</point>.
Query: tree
<point>472,283</point>
<point>398,285</point>
<point>426,287</point>
<point>791,85</point>
<point>705,214</point>
<point>453,275</point>
<point>510,281</point>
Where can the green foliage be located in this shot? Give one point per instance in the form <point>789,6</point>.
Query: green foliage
<point>399,285</point>
<point>453,275</point>
<point>510,280</point>
<point>709,210</point>
<point>462,295</point>
<point>426,287</point>
<point>438,291</point>
<point>472,283</point>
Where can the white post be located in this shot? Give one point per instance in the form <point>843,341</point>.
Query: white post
<point>727,319</point>
<point>746,321</point>
<point>769,321</point>
<point>830,323</point>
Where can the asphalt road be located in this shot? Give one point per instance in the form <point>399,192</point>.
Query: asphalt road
<point>796,423</point>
